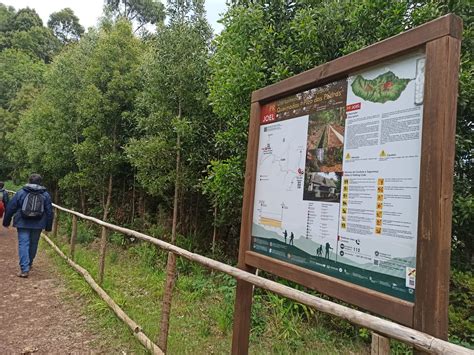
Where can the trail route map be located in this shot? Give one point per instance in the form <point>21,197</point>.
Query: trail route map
<point>281,160</point>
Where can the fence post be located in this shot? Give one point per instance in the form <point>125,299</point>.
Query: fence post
<point>380,345</point>
<point>103,247</point>
<point>73,235</point>
<point>55,222</point>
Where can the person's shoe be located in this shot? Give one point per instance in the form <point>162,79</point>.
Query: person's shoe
<point>23,275</point>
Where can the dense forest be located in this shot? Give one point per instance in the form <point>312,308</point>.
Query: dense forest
<point>149,110</point>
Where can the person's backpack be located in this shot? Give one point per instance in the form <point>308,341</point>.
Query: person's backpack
<point>33,205</point>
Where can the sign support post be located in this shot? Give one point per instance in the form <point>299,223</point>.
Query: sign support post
<point>244,292</point>
<point>436,187</point>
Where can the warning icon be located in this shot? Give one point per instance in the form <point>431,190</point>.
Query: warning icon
<point>348,156</point>
<point>383,154</point>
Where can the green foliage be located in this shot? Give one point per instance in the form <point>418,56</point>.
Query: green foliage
<point>461,309</point>
<point>178,108</point>
<point>146,253</point>
<point>25,19</point>
<point>24,31</point>
<point>65,25</point>
<point>141,11</point>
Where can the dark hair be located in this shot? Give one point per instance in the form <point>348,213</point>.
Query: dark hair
<point>35,179</point>
<point>1,184</point>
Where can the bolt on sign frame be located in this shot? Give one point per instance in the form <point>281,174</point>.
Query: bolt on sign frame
<point>439,41</point>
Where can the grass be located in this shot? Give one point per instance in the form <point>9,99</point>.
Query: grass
<point>202,311</point>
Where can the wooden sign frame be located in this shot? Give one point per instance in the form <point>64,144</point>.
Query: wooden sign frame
<point>440,40</point>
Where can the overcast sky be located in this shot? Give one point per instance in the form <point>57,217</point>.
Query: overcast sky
<point>89,11</point>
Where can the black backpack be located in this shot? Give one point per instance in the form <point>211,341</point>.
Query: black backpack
<point>33,205</point>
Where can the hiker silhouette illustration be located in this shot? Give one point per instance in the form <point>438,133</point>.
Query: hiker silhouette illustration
<point>319,251</point>
<point>285,234</point>
<point>292,237</point>
<point>328,247</point>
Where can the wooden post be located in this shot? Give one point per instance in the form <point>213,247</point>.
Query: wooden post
<point>73,235</point>
<point>103,247</point>
<point>380,345</point>
<point>436,187</point>
<point>55,223</point>
<point>244,292</point>
<point>171,264</point>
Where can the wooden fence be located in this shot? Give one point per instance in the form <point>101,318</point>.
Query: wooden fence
<point>379,326</point>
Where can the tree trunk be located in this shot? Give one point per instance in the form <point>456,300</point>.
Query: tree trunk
<point>171,265</point>
<point>56,194</point>
<point>214,233</point>
<point>196,217</point>
<point>108,199</point>
<point>83,200</point>
<point>133,200</point>
<point>141,204</point>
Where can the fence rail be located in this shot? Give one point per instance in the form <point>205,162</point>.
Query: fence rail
<point>417,339</point>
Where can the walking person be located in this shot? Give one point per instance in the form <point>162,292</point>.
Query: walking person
<point>4,198</point>
<point>328,248</point>
<point>32,211</point>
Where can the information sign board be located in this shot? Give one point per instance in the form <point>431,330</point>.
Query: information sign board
<point>348,185</point>
<point>337,180</point>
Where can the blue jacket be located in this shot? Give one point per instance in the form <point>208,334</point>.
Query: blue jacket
<point>14,209</point>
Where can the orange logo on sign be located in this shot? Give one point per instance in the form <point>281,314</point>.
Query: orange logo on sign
<point>268,113</point>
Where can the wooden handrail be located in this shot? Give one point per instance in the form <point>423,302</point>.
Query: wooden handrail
<point>415,338</point>
<point>390,329</point>
<point>136,329</point>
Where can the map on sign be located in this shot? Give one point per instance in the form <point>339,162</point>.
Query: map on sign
<point>385,87</point>
<point>281,162</point>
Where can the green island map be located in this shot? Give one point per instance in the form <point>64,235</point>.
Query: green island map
<point>385,87</point>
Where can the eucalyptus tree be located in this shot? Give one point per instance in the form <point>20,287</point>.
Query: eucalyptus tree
<point>140,12</point>
<point>53,125</point>
<point>173,115</point>
<point>105,103</point>
<point>23,30</point>
<point>65,25</point>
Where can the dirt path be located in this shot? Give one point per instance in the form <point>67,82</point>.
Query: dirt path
<point>33,316</point>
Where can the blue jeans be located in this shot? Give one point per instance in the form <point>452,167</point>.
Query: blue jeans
<point>27,246</point>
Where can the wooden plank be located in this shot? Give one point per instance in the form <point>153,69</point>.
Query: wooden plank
<point>73,236</point>
<point>405,334</point>
<point>242,318</point>
<point>249,187</point>
<point>398,310</point>
<point>55,223</point>
<point>436,187</point>
<point>447,25</point>
<point>244,292</point>
<point>380,345</point>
